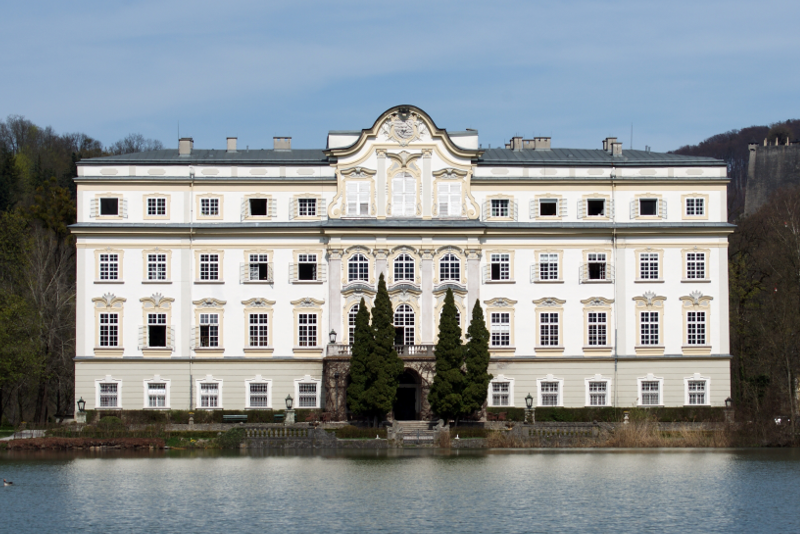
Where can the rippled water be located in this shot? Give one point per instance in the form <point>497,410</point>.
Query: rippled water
<point>404,491</point>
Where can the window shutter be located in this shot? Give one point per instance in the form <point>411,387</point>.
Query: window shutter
<point>535,272</point>
<point>292,272</point>
<point>455,200</point>
<point>352,199</point>
<point>609,272</point>
<point>93,207</point>
<point>244,271</point>
<point>142,337</point>
<point>292,208</point>
<point>442,200</point>
<point>634,208</point>
<point>562,207</point>
<point>321,271</point>
<point>322,208</point>
<point>124,208</point>
<point>272,205</point>
<point>515,212</point>
<point>193,337</point>
<point>397,195</point>
<point>245,208</point>
<point>582,209</point>
<point>171,337</point>
<point>534,209</point>
<point>662,208</point>
<point>584,272</point>
<point>487,207</point>
<point>487,273</point>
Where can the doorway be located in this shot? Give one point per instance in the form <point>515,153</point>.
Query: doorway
<point>406,406</point>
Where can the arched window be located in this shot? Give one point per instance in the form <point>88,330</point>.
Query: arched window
<point>404,325</point>
<point>404,195</point>
<point>450,268</point>
<point>403,268</point>
<point>351,323</point>
<point>358,268</point>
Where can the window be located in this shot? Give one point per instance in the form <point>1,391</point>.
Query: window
<point>499,207</point>
<point>548,266</point>
<point>648,207</point>
<point>696,328</point>
<point>548,329</point>
<point>449,268</point>
<point>695,265</point>
<point>157,266</point>
<point>109,266</point>
<point>209,207</point>
<point>109,329</point>
<point>403,268</point>
<point>156,206</point>
<point>548,207</point>
<point>307,207</point>
<point>156,329</point>
<point>259,207</point>
<point>596,265</point>
<point>358,268</point>
<point>597,329</point>
<point>258,270</point>
<point>209,395</point>
<point>549,393</point>
<point>358,199</point>
<point>307,330</point>
<point>596,207</point>
<point>209,266</point>
<point>598,393</point>
<point>696,391</point>
<point>259,394</point>
<point>648,266</point>
<point>109,207</point>
<point>109,395</point>
<point>307,395</point>
<point>306,266</point>
<point>156,394</point>
<point>695,207</point>
<point>209,330</point>
<point>404,195</point>
<point>351,323</point>
<point>500,267</point>
<point>404,325</point>
<point>651,393</point>
<point>449,199</point>
<point>649,327</point>
<point>259,329</point>
<point>501,329</point>
<point>500,393</point>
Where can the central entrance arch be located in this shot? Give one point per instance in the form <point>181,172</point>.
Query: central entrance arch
<point>406,406</point>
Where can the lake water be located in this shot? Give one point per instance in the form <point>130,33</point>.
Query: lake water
<point>403,491</point>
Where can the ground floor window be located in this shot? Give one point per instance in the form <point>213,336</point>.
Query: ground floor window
<point>307,395</point>
<point>156,395</point>
<point>500,391</point>
<point>650,392</point>
<point>259,395</point>
<point>549,393</point>
<point>109,395</point>
<point>598,393</point>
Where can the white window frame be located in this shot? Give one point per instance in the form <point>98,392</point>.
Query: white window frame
<point>448,198</point>
<point>451,259</point>
<point>352,312</point>
<point>307,379</point>
<point>157,380</point>
<point>598,324</point>
<point>698,325</point>
<point>109,325</point>
<point>404,312</point>
<point>500,328</point>
<point>695,200</point>
<point>587,387</point>
<point>501,379</point>
<point>310,209</point>
<point>357,197</point>
<point>259,325</point>
<point>403,260</point>
<point>107,380</point>
<point>549,323</point>
<point>155,260</point>
<point>657,324</point>
<point>502,209</point>
<point>209,207</point>
<point>694,261</point>
<point>303,258</point>
<point>647,258</point>
<point>404,195</point>
<point>539,392</point>
<point>687,393</point>
<point>257,380</point>
<point>316,325</point>
<point>208,380</point>
<point>159,206</point>
<point>503,260</point>
<point>605,207</point>
<point>547,258</point>
<point>100,200</point>
<point>358,268</point>
<point>650,378</point>
<point>213,322</point>
<point>592,258</point>
<point>111,262</point>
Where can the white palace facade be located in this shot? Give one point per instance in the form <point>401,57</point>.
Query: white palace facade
<point>229,279</point>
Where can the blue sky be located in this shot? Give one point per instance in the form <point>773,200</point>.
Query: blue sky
<point>577,71</point>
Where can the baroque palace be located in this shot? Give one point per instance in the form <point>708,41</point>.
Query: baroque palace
<point>230,279</point>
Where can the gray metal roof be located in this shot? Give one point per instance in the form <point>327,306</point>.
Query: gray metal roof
<point>216,157</point>
<point>580,156</point>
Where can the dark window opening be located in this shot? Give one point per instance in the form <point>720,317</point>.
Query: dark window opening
<point>548,208</point>
<point>307,271</point>
<point>205,335</point>
<point>157,336</point>
<point>109,206</point>
<point>496,271</point>
<point>595,208</point>
<point>263,271</point>
<point>258,207</point>
<point>648,206</point>
<point>597,271</point>
<point>399,335</point>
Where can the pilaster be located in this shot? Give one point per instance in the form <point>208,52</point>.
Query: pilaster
<point>334,291</point>
<point>380,184</point>
<point>426,275</point>
<point>473,279</point>
<point>427,184</point>
<point>380,262</point>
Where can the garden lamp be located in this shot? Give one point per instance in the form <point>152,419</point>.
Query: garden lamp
<point>81,404</point>
<point>332,336</point>
<point>529,401</point>
<point>289,402</point>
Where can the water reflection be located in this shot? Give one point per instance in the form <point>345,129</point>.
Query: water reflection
<point>402,491</point>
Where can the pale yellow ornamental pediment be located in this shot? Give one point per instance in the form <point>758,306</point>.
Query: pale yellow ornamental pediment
<point>157,300</point>
<point>258,302</point>
<point>549,302</point>
<point>357,172</point>
<point>597,301</point>
<point>649,300</point>
<point>109,300</point>
<point>209,303</point>
<point>500,302</point>
<point>307,302</point>
<point>696,298</point>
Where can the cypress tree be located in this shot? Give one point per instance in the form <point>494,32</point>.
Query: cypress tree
<point>477,359</point>
<point>446,397</point>
<point>384,366</point>
<point>363,342</point>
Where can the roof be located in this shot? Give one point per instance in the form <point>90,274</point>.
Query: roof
<point>215,157</point>
<point>581,156</point>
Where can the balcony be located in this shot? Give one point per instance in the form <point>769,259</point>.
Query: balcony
<point>339,349</point>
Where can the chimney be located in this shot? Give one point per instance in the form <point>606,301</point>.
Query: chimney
<point>282,143</point>
<point>231,145</point>
<point>541,143</point>
<point>185,145</point>
<point>516,144</point>
<point>608,142</point>
<point>616,149</point>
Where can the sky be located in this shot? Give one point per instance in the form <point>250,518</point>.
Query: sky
<point>578,71</point>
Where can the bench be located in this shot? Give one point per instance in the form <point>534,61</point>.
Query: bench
<point>234,418</point>
<point>278,418</point>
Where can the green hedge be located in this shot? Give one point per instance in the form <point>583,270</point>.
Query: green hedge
<point>156,417</point>
<point>663,415</point>
<point>512,414</point>
<point>354,432</point>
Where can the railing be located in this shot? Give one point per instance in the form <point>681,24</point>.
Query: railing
<point>279,433</point>
<point>337,349</point>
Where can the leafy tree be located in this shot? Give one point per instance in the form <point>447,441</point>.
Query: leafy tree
<point>9,180</point>
<point>477,359</point>
<point>363,343</point>
<point>384,366</point>
<point>446,395</point>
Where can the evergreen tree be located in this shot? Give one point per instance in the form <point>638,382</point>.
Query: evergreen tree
<point>477,358</point>
<point>446,395</point>
<point>384,366</point>
<point>363,341</point>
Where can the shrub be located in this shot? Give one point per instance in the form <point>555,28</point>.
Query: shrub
<point>512,414</point>
<point>464,432</point>
<point>231,439</point>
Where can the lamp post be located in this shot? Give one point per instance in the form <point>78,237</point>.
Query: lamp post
<point>530,415</point>
<point>289,419</point>
<point>80,417</point>
<point>729,411</point>
<point>332,336</point>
